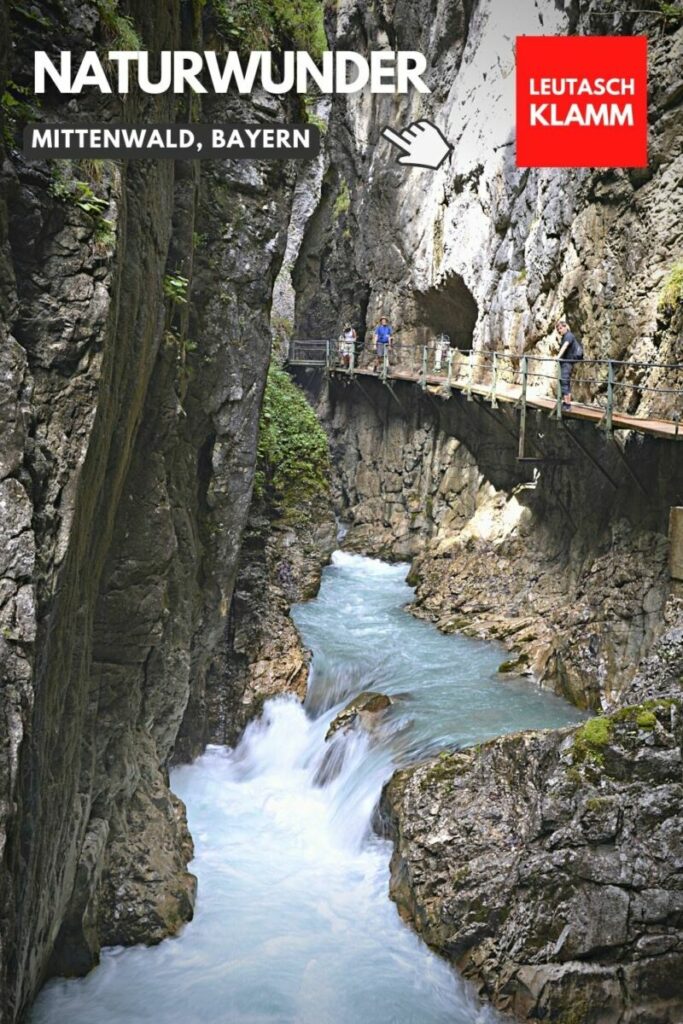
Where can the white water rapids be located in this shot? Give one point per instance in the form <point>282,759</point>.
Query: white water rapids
<point>293,922</point>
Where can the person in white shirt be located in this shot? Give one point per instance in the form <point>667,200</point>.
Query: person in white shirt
<point>347,345</point>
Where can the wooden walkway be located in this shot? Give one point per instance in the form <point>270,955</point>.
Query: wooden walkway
<point>511,393</point>
<point>465,377</point>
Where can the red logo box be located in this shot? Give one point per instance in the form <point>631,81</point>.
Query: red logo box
<point>581,101</point>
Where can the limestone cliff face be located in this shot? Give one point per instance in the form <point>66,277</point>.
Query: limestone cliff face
<point>491,255</point>
<point>129,426</point>
<point>483,251</point>
<point>544,865</point>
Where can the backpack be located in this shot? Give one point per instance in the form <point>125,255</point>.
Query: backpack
<point>577,350</point>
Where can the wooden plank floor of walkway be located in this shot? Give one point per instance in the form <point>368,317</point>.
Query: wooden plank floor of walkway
<point>505,392</point>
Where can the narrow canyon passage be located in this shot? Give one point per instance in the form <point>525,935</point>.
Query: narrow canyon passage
<point>293,920</point>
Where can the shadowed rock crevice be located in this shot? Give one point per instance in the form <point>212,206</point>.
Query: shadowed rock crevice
<point>449,309</point>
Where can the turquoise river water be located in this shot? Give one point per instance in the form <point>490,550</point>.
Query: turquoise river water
<point>293,922</point>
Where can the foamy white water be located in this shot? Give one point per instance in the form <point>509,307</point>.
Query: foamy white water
<point>293,921</point>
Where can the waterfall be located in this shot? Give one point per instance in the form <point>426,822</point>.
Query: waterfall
<point>293,922</point>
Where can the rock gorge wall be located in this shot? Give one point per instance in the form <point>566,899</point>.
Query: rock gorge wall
<point>280,564</point>
<point>131,422</point>
<point>491,255</point>
<point>545,865</point>
<point>483,251</point>
<point>566,561</point>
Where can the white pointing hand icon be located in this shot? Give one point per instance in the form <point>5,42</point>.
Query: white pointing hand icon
<point>422,143</point>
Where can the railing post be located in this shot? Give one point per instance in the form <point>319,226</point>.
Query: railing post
<point>385,363</point>
<point>558,391</point>
<point>328,354</point>
<point>494,381</point>
<point>352,362</point>
<point>470,376</point>
<point>423,382</point>
<point>449,379</point>
<point>610,396</point>
<point>522,415</point>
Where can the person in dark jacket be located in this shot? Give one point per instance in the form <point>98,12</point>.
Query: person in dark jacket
<point>568,355</point>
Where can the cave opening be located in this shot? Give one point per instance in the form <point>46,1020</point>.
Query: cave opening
<point>448,309</point>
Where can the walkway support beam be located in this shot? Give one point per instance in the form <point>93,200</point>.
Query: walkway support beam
<point>610,397</point>
<point>558,391</point>
<point>494,381</point>
<point>470,376</point>
<point>522,415</point>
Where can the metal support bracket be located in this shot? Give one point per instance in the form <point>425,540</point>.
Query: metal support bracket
<point>494,382</point>
<point>522,414</point>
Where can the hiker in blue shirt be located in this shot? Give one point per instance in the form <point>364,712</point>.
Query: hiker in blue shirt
<point>383,335</point>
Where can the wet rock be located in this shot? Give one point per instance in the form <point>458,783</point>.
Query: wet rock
<point>364,710</point>
<point>279,565</point>
<point>545,872</point>
<point>333,759</point>
<point>129,429</point>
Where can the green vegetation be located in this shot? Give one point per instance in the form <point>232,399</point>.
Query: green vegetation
<point>81,194</point>
<point>671,293</point>
<point>646,720</point>
<point>282,326</point>
<point>599,804</point>
<point>342,203</point>
<point>578,1013</point>
<point>590,739</point>
<point>311,117</point>
<point>461,875</point>
<point>518,664</point>
<point>176,288</point>
<point>597,731</point>
<point>448,766</point>
<point>643,715</point>
<point>266,24</point>
<point>293,455</point>
<point>17,108</point>
<point>118,28</point>
<point>671,12</point>
<point>31,15</point>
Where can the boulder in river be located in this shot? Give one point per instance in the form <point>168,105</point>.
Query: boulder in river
<point>546,865</point>
<point>362,710</point>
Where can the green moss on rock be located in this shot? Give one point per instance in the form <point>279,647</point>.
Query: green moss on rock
<point>672,289</point>
<point>445,768</point>
<point>514,665</point>
<point>265,24</point>
<point>590,740</point>
<point>293,453</point>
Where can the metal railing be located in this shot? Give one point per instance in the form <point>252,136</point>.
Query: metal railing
<point>314,352</point>
<point>645,390</point>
